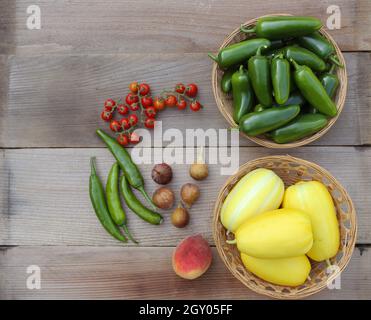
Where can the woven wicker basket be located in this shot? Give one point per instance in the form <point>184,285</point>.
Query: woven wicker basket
<point>291,170</point>
<point>224,101</point>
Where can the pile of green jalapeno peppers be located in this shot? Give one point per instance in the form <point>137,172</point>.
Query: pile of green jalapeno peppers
<point>283,80</point>
<point>107,203</point>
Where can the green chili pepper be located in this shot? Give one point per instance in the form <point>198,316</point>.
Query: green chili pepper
<point>256,123</point>
<point>320,46</point>
<point>306,57</point>
<point>259,108</point>
<point>243,97</point>
<point>330,81</point>
<point>295,98</point>
<point>113,200</point>
<point>98,201</point>
<point>127,165</point>
<point>226,82</point>
<point>259,72</point>
<point>238,53</point>
<point>312,90</point>
<point>280,70</point>
<point>134,204</point>
<point>283,27</point>
<point>302,126</point>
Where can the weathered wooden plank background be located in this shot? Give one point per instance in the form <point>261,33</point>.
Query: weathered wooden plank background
<point>53,81</point>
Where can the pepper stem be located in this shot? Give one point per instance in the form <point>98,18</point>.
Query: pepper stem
<point>234,241</point>
<point>146,196</point>
<point>249,30</point>
<point>92,166</point>
<point>259,51</point>
<point>241,68</point>
<point>212,57</point>
<point>332,69</point>
<point>334,59</point>
<point>125,227</point>
<point>296,66</point>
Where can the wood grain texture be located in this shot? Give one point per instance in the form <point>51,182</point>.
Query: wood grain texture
<point>56,100</point>
<point>165,26</point>
<point>48,201</point>
<point>125,273</point>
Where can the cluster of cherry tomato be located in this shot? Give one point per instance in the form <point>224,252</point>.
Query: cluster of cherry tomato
<point>140,99</point>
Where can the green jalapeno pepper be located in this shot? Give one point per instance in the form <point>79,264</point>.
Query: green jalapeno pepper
<point>306,57</point>
<point>98,201</point>
<point>113,200</point>
<point>259,72</point>
<point>302,126</point>
<point>238,53</point>
<point>226,82</point>
<point>318,44</point>
<point>243,97</point>
<point>138,208</point>
<point>280,71</point>
<point>312,90</point>
<point>330,81</point>
<point>281,27</point>
<point>256,123</point>
<point>127,165</point>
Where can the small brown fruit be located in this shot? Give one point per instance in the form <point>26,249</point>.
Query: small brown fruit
<point>199,171</point>
<point>189,193</point>
<point>163,198</point>
<point>162,173</point>
<point>180,217</point>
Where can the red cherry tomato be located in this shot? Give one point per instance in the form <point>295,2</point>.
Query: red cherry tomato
<point>122,139</point>
<point>149,123</point>
<point>131,98</point>
<point>115,126</point>
<point>191,90</point>
<point>134,137</point>
<point>181,104</point>
<point>180,88</point>
<point>106,116</point>
<point>133,119</point>
<point>146,101</point>
<point>150,112</point>
<point>195,105</point>
<point>134,106</point>
<point>144,89</point>
<point>125,124</point>
<point>133,87</point>
<point>170,101</point>
<point>109,104</point>
<point>159,103</point>
<point>122,109</point>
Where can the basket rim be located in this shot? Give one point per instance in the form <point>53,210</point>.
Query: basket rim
<point>216,222</point>
<point>340,95</point>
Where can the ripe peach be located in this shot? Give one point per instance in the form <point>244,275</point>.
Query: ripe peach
<point>192,257</point>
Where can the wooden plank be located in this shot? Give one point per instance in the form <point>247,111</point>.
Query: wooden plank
<point>61,96</point>
<point>124,273</point>
<point>49,203</point>
<point>165,26</point>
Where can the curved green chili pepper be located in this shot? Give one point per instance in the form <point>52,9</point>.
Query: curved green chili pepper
<point>302,126</point>
<point>134,204</point>
<point>226,82</point>
<point>259,72</point>
<point>127,165</point>
<point>113,200</point>
<point>98,201</point>
<point>312,90</point>
<point>280,71</point>
<point>306,57</point>
<point>330,81</point>
<point>243,97</point>
<point>238,53</point>
<point>281,27</point>
<point>318,44</point>
<point>256,123</point>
